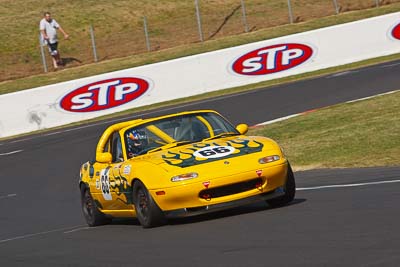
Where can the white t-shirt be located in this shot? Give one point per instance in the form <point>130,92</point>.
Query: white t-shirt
<point>50,29</point>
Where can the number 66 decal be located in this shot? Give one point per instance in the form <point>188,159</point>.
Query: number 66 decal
<point>105,184</point>
<point>212,152</point>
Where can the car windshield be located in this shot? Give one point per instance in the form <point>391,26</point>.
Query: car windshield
<point>175,131</point>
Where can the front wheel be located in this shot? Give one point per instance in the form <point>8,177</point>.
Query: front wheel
<point>289,188</point>
<point>147,210</point>
<point>92,215</point>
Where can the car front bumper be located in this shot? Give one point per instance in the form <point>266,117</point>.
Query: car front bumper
<point>219,192</point>
<point>186,212</point>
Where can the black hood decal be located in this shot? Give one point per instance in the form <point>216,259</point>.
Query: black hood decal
<point>185,158</point>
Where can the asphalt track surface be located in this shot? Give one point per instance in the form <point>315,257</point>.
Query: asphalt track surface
<point>344,217</point>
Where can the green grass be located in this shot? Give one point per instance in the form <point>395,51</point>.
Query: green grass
<point>17,51</point>
<point>360,134</point>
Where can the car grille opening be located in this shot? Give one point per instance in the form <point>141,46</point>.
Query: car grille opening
<point>231,189</point>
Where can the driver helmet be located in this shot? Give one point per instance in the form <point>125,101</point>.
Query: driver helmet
<point>137,141</point>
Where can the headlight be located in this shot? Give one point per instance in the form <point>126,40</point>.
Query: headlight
<point>183,177</point>
<point>269,159</point>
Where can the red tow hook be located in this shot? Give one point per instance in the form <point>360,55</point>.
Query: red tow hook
<point>259,186</point>
<point>206,197</point>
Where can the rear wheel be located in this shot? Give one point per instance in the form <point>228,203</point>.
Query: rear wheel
<point>289,188</point>
<point>147,210</point>
<point>92,215</point>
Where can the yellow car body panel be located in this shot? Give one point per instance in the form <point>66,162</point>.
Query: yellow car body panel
<point>234,174</point>
<point>187,195</point>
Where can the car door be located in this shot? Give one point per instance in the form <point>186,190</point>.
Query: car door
<point>108,178</point>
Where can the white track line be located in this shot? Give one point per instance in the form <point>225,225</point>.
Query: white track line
<point>390,65</point>
<point>341,74</point>
<point>279,119</point>
<point>8,196</point>
<point>10,153</point>
<point>76,230</point>
<point>346,185</point>
<point>369,97</point>
<point>37,234</point>
<point>283,118</point>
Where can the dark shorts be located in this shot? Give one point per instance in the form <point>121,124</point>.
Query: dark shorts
<point>52,47</point>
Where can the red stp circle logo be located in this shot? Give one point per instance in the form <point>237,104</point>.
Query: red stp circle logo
<point>396,32</point>
<point>104,94</point>
<point>272,59</point>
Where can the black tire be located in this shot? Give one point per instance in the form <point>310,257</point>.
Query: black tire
<point>91,213</point>
<point>147,210</point>
<point>290,191</point>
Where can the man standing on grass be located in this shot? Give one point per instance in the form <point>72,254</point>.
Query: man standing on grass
<point>48,28</point>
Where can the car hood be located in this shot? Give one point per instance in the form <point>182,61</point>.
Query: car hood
<point>222,150</point>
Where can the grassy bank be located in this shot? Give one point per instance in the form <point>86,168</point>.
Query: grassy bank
<point>359,134</point>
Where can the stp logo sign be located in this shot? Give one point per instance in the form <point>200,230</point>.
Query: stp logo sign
<point>272,59</point>
<point>104,94</point>
<point>396,32</point>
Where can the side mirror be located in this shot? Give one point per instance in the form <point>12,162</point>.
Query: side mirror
<point>242,128</point>
<point>105,157</point>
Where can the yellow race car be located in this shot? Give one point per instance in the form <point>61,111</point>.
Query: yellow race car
<point>181,165</point>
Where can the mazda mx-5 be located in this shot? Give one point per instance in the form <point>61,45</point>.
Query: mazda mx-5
<point>181,165</point>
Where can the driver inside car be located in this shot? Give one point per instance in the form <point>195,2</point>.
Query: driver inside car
<point>136,142</point>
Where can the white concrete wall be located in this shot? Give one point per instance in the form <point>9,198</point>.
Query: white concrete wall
<point>42,107</point>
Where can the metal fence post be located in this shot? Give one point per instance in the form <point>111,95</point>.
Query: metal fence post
<point>93,43</point>
<point>377,3</point>
<point>42,53</point>
<point>146,34</point>
<point>246,26</point>
<point>290,12</point>
<point>335,4</point>
<point>196,2</point>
